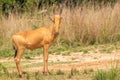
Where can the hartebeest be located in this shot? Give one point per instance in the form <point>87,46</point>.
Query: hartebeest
<point>33,39</point>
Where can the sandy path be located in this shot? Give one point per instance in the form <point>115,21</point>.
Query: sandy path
<point>82,61</point>
<point>79,61</point>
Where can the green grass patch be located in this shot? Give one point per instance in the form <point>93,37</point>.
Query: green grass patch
<point>54,75</point>
<point>112,74</point>
<point>6,52</point>
<point>64,49</point>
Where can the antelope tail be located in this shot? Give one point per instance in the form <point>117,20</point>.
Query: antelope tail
<point>15,51</point>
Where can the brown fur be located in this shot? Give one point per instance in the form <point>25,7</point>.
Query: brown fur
<point>33,39</point>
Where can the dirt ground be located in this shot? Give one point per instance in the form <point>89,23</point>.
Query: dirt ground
<point>80,61</point>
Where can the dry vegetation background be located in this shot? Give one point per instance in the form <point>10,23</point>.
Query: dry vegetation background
<point>86,24</point>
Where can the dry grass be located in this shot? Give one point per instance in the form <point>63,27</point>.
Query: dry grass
<point>85,25</point>
<point>91,24</point>
<point>14,24</point>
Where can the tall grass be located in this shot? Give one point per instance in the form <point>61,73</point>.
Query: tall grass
<point>91,24</point>
<point>87,24</point>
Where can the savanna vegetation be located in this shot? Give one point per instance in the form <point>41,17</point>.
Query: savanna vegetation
<point>84,23</point>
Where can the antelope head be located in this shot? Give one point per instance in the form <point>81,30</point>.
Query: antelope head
<point>56,21</point>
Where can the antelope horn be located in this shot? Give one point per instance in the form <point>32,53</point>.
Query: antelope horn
<point>53,11</point>
<point>61,7</point>
<point>60,11</point>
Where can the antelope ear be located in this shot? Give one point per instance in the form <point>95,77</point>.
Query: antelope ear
<point>51,19</point>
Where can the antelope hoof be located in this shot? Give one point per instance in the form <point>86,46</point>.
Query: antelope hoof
<point>46,73</point>
<point>21,76</point>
